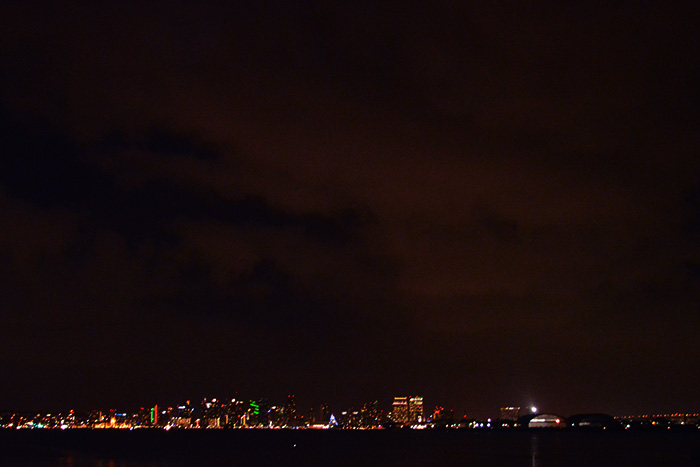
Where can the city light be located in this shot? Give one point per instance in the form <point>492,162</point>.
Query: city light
<point>404,412</point>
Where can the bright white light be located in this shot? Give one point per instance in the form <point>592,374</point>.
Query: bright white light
<point>534,409</point>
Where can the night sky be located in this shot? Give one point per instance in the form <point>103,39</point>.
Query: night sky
<point>348,201</point>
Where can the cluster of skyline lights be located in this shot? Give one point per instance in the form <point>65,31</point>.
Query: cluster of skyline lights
<point>404,413</point>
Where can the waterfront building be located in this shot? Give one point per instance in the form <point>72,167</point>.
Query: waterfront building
<point>399,410</point>
<point>415,410</point>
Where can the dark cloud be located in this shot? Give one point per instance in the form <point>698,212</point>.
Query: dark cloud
<point>45,167</point>
<point>41,165</point>
<point>161,141</point>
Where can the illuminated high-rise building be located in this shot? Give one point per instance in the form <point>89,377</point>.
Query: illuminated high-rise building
<point>407,410</point>
<point>290,411</point>
<point>415,409</point>
<point>399,410</point>
<point>370,415</point>
<point>325,413</point>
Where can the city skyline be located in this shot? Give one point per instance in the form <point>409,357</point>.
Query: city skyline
<point>265,412</point>
<point>477,204</point>
<point>403,413</point>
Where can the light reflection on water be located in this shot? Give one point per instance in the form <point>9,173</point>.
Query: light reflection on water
<point>71,460</point>
<point>536,449</point>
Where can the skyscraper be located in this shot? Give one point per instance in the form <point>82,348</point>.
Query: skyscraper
<point>415,409</point>
<point>325,413</point>
<point>290,411</point>
<point>407,410</point>
<point>370,415</point>
<point>399,410</point>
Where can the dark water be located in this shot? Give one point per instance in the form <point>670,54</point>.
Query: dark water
<point>145,448</point>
